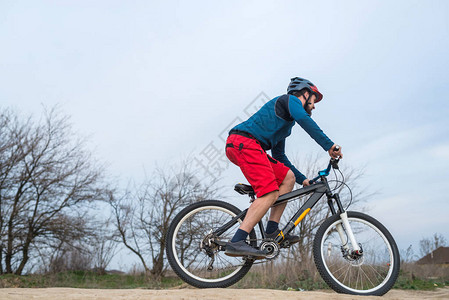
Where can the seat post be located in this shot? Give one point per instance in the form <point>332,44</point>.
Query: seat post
<point>253,197</point>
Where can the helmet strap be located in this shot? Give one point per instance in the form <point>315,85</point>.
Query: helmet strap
<point>307,100</point>
<point>307,103</point>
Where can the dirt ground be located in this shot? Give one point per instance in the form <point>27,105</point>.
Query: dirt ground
<point>222,294</point>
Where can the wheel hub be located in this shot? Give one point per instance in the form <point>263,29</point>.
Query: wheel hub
<point>209,245</point>
<point>354,257</point>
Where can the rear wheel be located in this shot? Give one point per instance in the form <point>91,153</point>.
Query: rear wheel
<point>196,254</point>
<point>371,272</point>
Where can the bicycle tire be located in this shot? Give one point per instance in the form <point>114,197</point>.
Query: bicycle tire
<point>378,267</point>
<point>174,239</point>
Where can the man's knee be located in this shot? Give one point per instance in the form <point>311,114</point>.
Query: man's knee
<point>289,179</point>
<point>272,196</point>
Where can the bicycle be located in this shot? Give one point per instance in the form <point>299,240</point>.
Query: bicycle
<point>353,252</point>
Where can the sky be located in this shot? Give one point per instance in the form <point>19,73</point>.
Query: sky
<point>153,82</point>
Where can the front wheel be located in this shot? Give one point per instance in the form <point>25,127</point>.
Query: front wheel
<point>373,271</point>
<point>196,254</point>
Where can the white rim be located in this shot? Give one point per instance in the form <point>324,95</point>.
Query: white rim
<point>390,250</point>
<point>176,254</point>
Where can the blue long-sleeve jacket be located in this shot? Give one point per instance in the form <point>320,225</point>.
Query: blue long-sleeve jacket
<point>273,122</point>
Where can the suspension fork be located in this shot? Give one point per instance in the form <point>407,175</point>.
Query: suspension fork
<point>349,235</point>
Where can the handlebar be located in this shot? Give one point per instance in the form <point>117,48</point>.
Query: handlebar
<point>333,163</point>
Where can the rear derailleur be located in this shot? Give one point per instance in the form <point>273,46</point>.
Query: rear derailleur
<point>210,245</point>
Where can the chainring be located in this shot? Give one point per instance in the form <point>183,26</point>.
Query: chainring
<point>271,247</point>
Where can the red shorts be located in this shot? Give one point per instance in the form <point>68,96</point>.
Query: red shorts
<point>264,173</point>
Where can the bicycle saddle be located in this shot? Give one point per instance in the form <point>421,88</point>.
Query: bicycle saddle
<point>244,189</point>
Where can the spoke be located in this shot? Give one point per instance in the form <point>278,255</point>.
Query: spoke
<point>346,274</point>
<point>357,280</point>
<point>224,259</point>
<point>369,272</point>
<point>199,263</point>
<point>366,275</point>
<point>226,267</point>
<point>226,264</point>
<point>335,263</point>
<point>210,219</point>
<point>361,277</point>
<point>349,275</point>
<point>379,275</point>
<point>339,270</point>
<point>235,265</point>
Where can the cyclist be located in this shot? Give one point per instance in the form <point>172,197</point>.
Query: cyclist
<point>271,176</point>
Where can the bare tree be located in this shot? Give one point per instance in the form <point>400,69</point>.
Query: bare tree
<point>46,179</point>
<point>91,250</point>
<point>142,217</point>
<point>427,245</point>
<point>63,251</point>
<point>104,246</point>
<point>408,255</point>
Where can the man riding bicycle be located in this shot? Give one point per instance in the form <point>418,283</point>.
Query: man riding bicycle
<point>271,176</point>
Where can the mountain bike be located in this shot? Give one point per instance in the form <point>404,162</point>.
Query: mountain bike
<point>353,252</point>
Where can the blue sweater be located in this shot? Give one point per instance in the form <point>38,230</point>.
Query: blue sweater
<point>273,122</point>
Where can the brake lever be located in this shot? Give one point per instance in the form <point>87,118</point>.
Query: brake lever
<point>334,163</point>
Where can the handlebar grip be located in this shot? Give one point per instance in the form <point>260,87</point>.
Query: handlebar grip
<point>314,180</point>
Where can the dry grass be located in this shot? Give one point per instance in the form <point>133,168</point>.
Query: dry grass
<point>285,274</point>
<point>426,271</point>
<point>290,274</point>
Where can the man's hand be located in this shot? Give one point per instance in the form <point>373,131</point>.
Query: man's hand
<point>335,154</point>
<point>306,182</point>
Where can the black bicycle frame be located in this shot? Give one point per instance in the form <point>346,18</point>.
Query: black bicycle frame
<point>318,190</point>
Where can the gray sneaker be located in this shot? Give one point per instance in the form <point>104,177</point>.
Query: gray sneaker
<point>288,239</point>
<point>241,248</point>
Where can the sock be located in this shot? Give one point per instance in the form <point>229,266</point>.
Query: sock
<point>272,226</point>
<point>240,235</point>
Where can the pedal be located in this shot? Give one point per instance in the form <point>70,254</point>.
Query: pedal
<point>221,245</point>
<point>285,244</point>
